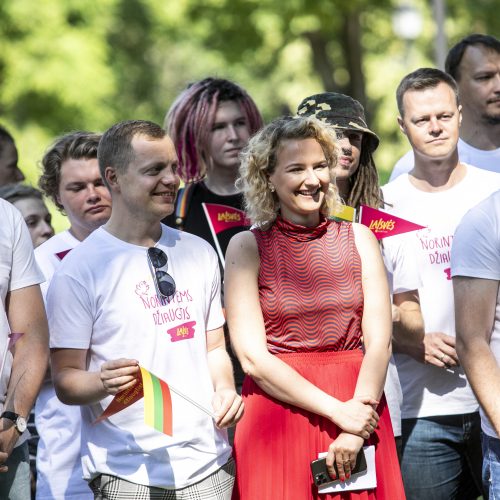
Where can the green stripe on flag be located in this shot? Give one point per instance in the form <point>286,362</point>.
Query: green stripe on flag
<point>158,403</point>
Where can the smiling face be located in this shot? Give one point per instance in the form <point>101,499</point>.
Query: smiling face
<point>479,84</point>
<point>83,195</point>
<point>431,121</point>
<point>148,187</point>
<point>229,135</point>
<point>37,218</point>
<point>301,179</point>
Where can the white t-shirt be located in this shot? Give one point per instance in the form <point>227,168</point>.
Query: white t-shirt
<point>427,389</point>
<point>103,299</point>
<point>481,259</point>
<point>18,269</point>
<point>486,160</point>
<point>58,462</point>
<point>402,275</point>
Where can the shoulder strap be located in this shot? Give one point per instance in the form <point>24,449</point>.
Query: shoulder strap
<point>182,204</point>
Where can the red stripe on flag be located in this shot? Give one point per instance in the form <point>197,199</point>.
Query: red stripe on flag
<point>167,407</point>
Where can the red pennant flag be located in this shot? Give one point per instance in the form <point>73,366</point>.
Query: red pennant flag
<point>123,400</point>
<point>383,224</point>
<point>222,217</point>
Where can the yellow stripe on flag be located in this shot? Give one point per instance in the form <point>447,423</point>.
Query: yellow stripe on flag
<point>147,382</point>
<point>344,212</point>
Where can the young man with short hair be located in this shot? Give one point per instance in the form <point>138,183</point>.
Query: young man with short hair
<point>140,293</point>
<point>71,178</point>
<point>440,422</point>
<point>474,63</point>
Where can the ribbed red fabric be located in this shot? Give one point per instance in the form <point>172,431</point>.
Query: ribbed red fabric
<point>312,301</point>
<point>310,287</point>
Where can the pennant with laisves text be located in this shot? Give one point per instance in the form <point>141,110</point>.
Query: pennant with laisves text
<point>222,217</point>
<point>383,224</point>
<point>157,401</point>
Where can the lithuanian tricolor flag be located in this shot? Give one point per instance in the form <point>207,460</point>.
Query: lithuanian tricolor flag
<point>157,402</point>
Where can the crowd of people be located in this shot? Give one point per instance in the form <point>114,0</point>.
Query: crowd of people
<point>284,332</point>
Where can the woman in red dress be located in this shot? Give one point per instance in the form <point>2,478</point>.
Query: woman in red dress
<point>309,315</point>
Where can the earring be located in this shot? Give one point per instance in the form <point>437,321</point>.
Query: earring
<point>272,188</point>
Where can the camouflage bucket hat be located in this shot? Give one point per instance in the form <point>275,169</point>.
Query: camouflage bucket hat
<point>340,111</point>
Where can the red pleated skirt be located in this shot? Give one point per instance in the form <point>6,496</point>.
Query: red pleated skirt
<point>275,442</point>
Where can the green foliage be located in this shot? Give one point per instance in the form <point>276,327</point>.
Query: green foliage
<point>74,64</point>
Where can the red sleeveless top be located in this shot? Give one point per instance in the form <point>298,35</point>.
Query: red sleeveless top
<point>310,287</point>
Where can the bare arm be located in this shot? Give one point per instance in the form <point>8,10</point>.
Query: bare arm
<point>76,386</point>
<point>226,402</point>
<point>377,328</point>
<point>475,303</point>
<point>377,318</point>
<point>407,320</point>
<point>276,378</point>
<point>26,314</point>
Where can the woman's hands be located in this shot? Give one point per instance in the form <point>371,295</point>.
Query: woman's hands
<point>343,452</point>
<point>356,416</point>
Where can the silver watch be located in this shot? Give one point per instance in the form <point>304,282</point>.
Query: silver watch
<point>19,422</point>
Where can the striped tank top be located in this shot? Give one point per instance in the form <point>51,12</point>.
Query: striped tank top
<point>310,287</point>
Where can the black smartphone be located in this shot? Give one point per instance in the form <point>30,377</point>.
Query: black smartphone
<point>320,472</point>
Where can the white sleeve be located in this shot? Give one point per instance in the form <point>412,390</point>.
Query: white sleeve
<point>70,313</point>
<point>476,246</point>
<point>24,270</point>
<point>400,256</point>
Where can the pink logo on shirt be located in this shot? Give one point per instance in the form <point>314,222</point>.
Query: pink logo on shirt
<point>182,332</point>
<point>142,288</point>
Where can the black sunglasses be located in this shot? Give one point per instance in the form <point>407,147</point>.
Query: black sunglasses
<point>165,284</point>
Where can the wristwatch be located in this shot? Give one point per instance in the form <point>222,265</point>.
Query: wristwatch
<point>19,422</point>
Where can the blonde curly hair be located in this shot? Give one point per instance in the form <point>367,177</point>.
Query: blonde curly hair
<point>259,159</point>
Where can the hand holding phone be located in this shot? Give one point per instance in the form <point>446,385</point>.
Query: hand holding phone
<point>320,472</point>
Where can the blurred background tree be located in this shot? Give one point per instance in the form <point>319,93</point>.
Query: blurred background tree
<point>74,64</point>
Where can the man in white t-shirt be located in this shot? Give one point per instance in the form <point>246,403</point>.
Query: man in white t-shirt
<point>71,178</point>
<point>136,292</point>
<point>474,63</point>
<point>440,420</point>
<point>475,267</point>
<point>21,311</point>
<point>404,281</point>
